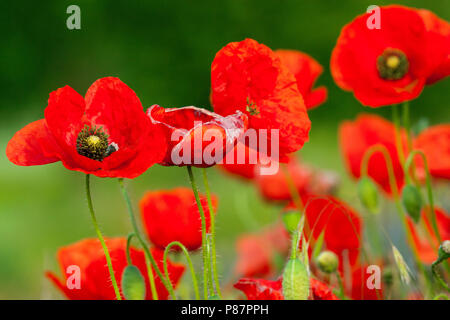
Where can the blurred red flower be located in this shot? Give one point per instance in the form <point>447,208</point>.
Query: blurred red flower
<point>386,66</point>
<point>249,77</point>
<point>358,136</point>
<point>306,71</point>
<point>425,240</point>
<point>106,133</point>
<point>247,167</point>
<point>435,144</point>
<point>439,33</point>
<point>342,226</point>
<point>358,288</point>
<point>195,130</point>
<point>95,281</point>
<point>173,215</point>
<point>306,180</point>
<point>257,252</point>
<point>260,289</point>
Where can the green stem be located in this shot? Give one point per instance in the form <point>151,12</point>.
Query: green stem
<point>438,276</point>
<point>129,238</point>
<point>395,192</point>
<point>213,232</point>
<point>206,270</point>
<point>165,282</point>
<point>341,286</point>
<point>100,237</point>
<point>188,258</point>
<point>407,126</point>
<point>398,138</point>
<point>431,215</point>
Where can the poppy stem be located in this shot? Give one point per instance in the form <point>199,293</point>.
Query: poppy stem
<point>213,232</point>
<point>206,269</point>
<point>398,138</point>
<point>165,282</point>
<point>188,258</point>
<point>100,237</point>
<point>147,264</point>
<point>395,193</point>
<point>406,124</point>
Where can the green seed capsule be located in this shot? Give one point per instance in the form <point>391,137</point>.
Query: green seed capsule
<point>327,261</point>
<point>412,201</point>
<point>295,281</point>
<point>368,194</point>
<point>133,283</point>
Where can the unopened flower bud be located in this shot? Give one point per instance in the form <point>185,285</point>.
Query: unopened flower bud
<point>295,280</point>
<point>327,261</point>
<point>412,201</point>
<point>133,283</point>
<point>444,250</point>
<point>368,194</point>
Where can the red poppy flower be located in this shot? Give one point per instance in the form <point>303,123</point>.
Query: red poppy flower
<point>366,131</point>
<point>384,66</point>
<point>172,215</point>
<point>342,226</point>
<point>249,77</point>
<point>306,180</point>
<point>422,238</point>
<point>245,164</point>
<point>106,133</point>
<point>435,143</point>
<point>358,288</point>
<point>260,289</point>
<point>306,71</point>
<point>95,283</point>
<point>197,136</point>
<point>439,33</point>
<point>257,252</point>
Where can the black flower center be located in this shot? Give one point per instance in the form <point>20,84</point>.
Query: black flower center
<point>392,64</point>
<point>93,143</point>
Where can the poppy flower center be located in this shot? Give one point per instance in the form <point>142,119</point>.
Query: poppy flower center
<point>392,64</point>
<point>252,108</point>
<point>93,143</point>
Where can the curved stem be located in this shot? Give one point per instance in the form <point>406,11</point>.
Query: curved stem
<point>129,238</point>
<point>438,276</point>
<point>188,258</point>
<point>431,215</point>
<point>395,192</point>
<point>407,126</point>
<point>100,237</point>
<point>206,270</point>
<point>213,232</point>
<point>143,244</point>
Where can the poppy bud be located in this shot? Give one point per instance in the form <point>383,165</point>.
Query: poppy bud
<point>327,261</point>
<point>412,201</point>
<point>295,281</point>
<point>133,283</point>
<point>368,194</point>
<point>290,220</point>
<point>444,250</point>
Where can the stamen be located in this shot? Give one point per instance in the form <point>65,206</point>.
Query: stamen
<point>392,64</point>
<point>93,143</point>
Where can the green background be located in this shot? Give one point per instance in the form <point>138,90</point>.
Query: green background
<point>163,50</point>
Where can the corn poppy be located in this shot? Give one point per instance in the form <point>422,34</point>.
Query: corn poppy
<point>95,283</point>
<point>172,215</point>
<point>306,71</point>
<point>425,240</point>
<point>435,143</point>
<point>439,33</point>
<point>341,225</point>
<point>106,133</point>
<point>245,162</point>
<point>385,66</point>
<point>249,77</point>
<point>257,252</point>
<point>197,136</point>
<point>261,289</point>
<point>358,136</point>
<point>306,179</point>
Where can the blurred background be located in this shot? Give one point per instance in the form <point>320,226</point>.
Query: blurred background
<point>163,50</point>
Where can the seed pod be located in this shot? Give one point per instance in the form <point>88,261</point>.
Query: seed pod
<point>444,250</point>
<point>327,261</point>
<point>133,284</point>
<point>368,194</point>
<point>412,201</point>
<point>295,281</point>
